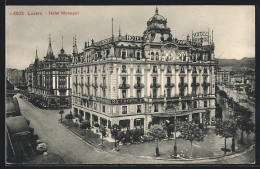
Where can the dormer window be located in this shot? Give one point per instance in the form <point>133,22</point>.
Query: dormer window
<point>154,69</point>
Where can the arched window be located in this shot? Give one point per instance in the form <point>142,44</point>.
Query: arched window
<point>182,70</point>
<point>154,69</point>
<point>152,56</point>
<point>138,55</point>
<point>123,68</point>
<point>157,56</point>
<point>194,70</point>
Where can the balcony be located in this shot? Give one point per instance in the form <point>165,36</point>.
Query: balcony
<point>155,85</point>
<point>195,84</point>
<point>169,85</point>
<point>95,85</point>
<point>183,85</point>
<point>87,84</point>
<point>103,86</point>
<point>205,85</point>
<point>81,84</point>
<point>182,74</point>
<point>194,73</point>
<point>75,83</point>
<point>138,86</point>
<point>124,86</point>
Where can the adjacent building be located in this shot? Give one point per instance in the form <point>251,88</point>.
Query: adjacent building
<point>133,80</point>
<point>48,80</point>
<point>15,76</point>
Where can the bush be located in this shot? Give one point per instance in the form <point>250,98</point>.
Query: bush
<point>149,124</point>
<point>96,125</point>
<point>76,115</point>
<point>75,125</point>
<point>69,116</point>
<point>85,125</point>
<point>121,136</point>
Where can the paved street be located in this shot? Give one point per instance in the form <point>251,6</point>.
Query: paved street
<point>75,151</point>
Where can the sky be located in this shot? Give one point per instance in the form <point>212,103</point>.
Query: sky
<point>233,26</point>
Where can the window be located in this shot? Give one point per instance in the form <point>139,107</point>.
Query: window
<point>88,80</point>
<point>124,80</point>
<point>169,69</point>
<point>138,93</point>
<point>168,93</point>
<point>183,106</point>
<point>138,80</point>
<point>124,93</point>
<point>95,69</point>
<point>152,56</point>
<point>104,93</point>
<point>205,70</point>
<point>95,91</point>
<point>123,68</point>
<point>182,80</point>
<point>194,70</point>
<point>124,109</point>
<point>88,70</point>
<point>138,54</point>
<point>154,80</point>
<point>154,93</point>
<point>139,108</point>
<point>104,109</point>
<point>104,69</point>
<point>95,80</point>
<point>123,54</point>
<point>104,80</point>
<point>156,108</point>
<point>157,56</point>
<point>138,69</point>
<point>195,104</point>
<point>168,81</point>
<point>154,69</point>
<point>205,103</point>
<point>182,70</point>
<point>194,80</point>
<point>95,106</point>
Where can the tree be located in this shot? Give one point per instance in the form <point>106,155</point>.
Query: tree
<point>250,128</point>
<point>69,116</point>
<point>85,125</point>
<point>218,111</point>
<point>114,132</point>
<point>61,112</point>
<point>157,133</point>
<point>243,119</point>
<point>191,132</point>
<point>224,129</point>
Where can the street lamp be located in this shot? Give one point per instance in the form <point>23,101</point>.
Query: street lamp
<point>175,126</point>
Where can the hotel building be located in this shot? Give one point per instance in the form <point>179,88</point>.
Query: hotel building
<point>133,80</point>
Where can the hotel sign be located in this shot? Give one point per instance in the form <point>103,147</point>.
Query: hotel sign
<point>121,101</point>
<point>200,37</point>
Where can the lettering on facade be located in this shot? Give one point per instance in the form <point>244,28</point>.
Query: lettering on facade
<point>200,37</point>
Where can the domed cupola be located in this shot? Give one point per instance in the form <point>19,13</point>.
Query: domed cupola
<point>157,30</point>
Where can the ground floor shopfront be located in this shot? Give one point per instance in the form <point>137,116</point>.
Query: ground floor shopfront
<point>205,117</point>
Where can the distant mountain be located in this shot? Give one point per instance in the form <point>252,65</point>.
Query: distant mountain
<point>237,64</point>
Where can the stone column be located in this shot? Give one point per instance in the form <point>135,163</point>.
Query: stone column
<point>131,123</point>
<point>200,116</point>
<point>131,82</point>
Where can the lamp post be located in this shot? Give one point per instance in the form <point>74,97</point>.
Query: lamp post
<point>175,126</point>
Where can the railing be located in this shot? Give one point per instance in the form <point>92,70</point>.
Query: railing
<point>124,86</point>
<point>204,84</point>
<point>139,86</point>
<point>95,85</point>
<point>169,85</point>
<point>183,85</point>
<point>103,86</point>
<point>155,85</point>
<point>194,84</point>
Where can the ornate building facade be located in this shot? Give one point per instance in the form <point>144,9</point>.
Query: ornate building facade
<point>48,80</point>
<point>134,80</point>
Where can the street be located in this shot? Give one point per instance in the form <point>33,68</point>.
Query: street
<point>74,151</point>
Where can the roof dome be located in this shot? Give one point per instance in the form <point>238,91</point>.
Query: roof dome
<point>157,17</point>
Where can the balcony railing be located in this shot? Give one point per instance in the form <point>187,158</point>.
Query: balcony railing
<point>87,84</point>
<point>155,85</point>
<point>103,86</point>
<point>124,86</point>
<point>195,84</point>
<point>76,84</point>
<point>183,85</point>
<point>95,85</point>
<point>139,86</point>
<point>169,85</point>
<point>205,84</point>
